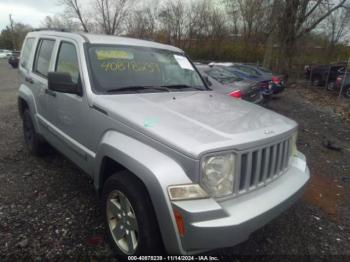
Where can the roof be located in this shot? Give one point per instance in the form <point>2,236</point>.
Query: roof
<point>107,39</point>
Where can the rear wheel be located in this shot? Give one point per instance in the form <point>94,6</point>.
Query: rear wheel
<point>316,81</point>
<point>331,86</point>
<point>32,139</point>
<point>347,91</point>
<point>129,217</point>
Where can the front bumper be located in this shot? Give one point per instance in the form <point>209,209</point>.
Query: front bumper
<point>211,224</point>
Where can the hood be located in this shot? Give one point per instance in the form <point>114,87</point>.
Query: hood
<point>195,123</point>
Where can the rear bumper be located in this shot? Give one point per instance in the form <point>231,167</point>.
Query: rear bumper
<point>211,224</point>
<point>256,99</point>
<point>277,88</point>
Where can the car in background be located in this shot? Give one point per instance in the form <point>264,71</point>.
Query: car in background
<point>263,84</point>
<point>224,82</point>
<point>5,53</point>
<point>321,75</point>
<point>343,80</point>
<point>14,59</point>
<point>267,80</point>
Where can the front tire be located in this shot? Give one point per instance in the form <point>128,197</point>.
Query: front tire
<point>32,139</point>
<point>129,217</point>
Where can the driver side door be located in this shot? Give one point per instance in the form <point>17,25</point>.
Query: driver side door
<point>70,112</point>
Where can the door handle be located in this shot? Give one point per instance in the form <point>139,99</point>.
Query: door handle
<point>29,80</point>
<point>50,92</point>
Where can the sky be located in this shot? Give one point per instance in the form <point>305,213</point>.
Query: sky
<point>33,12</point>
<point>30,12</point>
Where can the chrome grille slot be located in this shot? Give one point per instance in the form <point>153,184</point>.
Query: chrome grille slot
<point>259,167</point>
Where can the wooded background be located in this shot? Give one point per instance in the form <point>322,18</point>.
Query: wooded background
<point>283,35</point>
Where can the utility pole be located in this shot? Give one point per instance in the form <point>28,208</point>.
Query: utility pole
<point>345,75</point>
<point>14,47</point>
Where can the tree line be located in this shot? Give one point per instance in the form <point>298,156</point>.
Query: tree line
<point>277,33</point>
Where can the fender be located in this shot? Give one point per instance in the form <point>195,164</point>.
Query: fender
<point>27,95</point>
<point>156,170</point>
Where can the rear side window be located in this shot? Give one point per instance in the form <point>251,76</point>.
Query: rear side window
<point>67,61</point>
<point>43,57</point>
<point>26,50</point>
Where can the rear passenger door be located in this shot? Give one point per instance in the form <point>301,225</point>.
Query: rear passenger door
<point>37,79</point>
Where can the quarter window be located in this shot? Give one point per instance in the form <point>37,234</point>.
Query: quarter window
<point>26,50</point>
<point>67,61</point>
<point>43,57</point>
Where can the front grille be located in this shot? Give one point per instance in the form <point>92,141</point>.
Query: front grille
<point>258,167</point>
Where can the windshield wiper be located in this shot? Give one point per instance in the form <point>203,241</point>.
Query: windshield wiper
<point>182,87</point>
<point>137,88</point>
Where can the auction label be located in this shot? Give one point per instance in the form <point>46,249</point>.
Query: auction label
<point>173,258</point>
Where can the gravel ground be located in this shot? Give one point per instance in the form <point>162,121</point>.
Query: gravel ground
<point>49,210</point>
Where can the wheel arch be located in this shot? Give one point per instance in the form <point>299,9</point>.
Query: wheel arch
<point>152,168</point>
<point>26,100</point>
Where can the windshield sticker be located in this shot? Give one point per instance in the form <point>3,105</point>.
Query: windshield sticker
<point>183,62</point>
<point>113,54</point>
<point>150,122</point>
<point>121,66</point>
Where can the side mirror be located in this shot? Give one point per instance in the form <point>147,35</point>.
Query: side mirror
<point>62,82</point>
<point>206,79</point>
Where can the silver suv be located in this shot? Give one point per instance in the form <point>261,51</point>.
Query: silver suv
<point>180,169</point>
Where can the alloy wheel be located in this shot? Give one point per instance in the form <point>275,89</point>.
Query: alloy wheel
<point>122,222</point>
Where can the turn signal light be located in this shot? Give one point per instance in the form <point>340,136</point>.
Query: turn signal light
<point>179,222</point>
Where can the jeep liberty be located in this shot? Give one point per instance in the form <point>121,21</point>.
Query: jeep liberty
<point>179,168</point>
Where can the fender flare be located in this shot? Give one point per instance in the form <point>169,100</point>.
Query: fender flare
<point>156,170</point>
<point>27,95</point>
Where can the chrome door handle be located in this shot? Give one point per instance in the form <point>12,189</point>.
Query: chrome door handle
<point>29,80</point>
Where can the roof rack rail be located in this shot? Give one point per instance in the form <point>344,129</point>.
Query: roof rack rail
<point>52,29</point>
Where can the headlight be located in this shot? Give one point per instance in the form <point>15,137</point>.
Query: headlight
<point>186,192</point>
<point>293,145</point>
<point>218,175</point>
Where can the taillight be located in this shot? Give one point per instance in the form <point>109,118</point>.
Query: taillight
<point>275,80</point>
<point>339,80</point>
<point>236,94</point>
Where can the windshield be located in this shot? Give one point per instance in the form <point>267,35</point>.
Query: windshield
<point>265,70</point>
<point>223,76</point>
<point>126,68</point>
<point>241,74</point>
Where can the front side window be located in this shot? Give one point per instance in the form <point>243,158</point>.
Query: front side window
<point>117,68</point>
<point>67,61</point>
<point>26,50</point>
<point>43,57</point>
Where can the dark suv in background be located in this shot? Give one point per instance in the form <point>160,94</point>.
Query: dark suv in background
<point>14,58</point>
<point>345,81</point>
<point>318,74</point>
